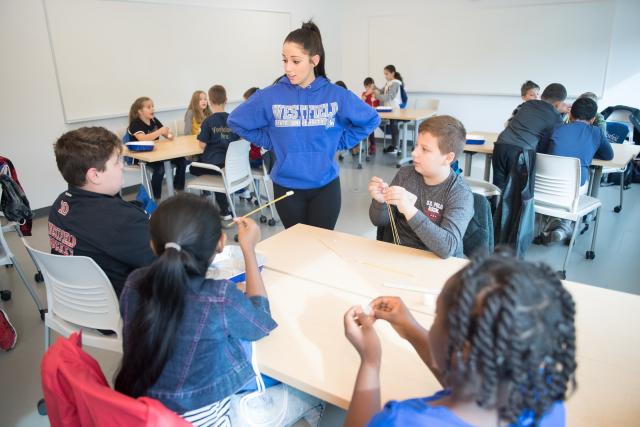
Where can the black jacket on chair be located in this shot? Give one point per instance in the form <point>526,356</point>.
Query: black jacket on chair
<point>479,234</point>
<point>514,219</point>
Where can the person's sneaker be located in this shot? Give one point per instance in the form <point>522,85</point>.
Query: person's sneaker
<point>556,236</point>
<point>8,334</point>
<point>246,194</point>
<point>390,149</point>
<point>226,215</point>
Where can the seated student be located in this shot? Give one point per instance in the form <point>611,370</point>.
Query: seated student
<point>369,98</point>
<point>90,218</point>
<point>197,111</point>
<point>431,205</point>
<point>391,96</point>
<point>144,126</point>
<point>184,335</point>
<point>528,91</point>
<point>599,120</point>
<point>531,125</point>
<point>215,137</point>
<point>502,345</point>
<point>579,138</point>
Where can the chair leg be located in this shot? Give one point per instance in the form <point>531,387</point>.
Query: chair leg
<point>33,293</point>
<point>619,207</point>
<point>592,254</point>
<point>571,243</point>
<point>47,340</point>
<point>231,204</point>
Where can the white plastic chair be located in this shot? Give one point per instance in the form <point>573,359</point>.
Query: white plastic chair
<point>178,126</point>
<point>261,175</point>
<point>236,174</point>
<point>557,194</point>
<point>7,258</point>
<point>482,187</point>
<point>621,171</point>
<point>80,297</point>
<point>135,174</point>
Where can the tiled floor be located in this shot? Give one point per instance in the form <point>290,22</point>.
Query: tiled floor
<point>615,267</point>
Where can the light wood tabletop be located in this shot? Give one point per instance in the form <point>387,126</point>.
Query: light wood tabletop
<point>167,149</point>
<point>313,276</point>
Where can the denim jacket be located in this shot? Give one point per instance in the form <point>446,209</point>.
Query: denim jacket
<point>208,362</point>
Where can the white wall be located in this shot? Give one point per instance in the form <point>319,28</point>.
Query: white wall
<point>31,113</point>
<point>31,116</point>
<point>488,113</point>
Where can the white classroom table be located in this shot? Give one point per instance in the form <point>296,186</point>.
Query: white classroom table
<point>164,151</point>
<point>313,276</point>
<point>407,115</point>
<point>622,155</point>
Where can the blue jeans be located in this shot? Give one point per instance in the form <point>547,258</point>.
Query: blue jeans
<point>280,405</point>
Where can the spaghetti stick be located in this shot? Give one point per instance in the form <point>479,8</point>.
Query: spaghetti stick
<point>259,208</point>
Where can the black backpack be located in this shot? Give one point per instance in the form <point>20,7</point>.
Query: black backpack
<point>14,203</point>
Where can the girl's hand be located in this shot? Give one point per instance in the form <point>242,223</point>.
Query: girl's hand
<point>248,233</point>
<point>394,311</point>
<point>376,189</point>
<point>358,328</point>
<point>164,131</point>
<point>403,199</point>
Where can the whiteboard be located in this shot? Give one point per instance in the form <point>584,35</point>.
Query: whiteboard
<point>108,53</point>
<point>473,48</point>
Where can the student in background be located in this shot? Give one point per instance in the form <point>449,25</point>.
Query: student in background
<point>599,120</point>
<point>90,218</point>
<point>391,96</point>
<point>531,125</point>
<point>215,137</point>
<point>369,97</point>
<point>528,91</point>
<point>255,155</point>
<point>197,111</point>
<point>581,139</point>
<point>431,205</point>
<point>502,345</point>
<point>183,334</point>
<point>144,126</point>
<point>305,120</point>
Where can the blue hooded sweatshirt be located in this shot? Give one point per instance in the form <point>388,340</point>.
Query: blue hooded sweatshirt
<point>304,127</point>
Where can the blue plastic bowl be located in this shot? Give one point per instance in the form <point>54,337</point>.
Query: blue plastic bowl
<point>141,146</point>
<point>475,140</point>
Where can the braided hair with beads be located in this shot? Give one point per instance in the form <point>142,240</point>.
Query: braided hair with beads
<point>511,336</point>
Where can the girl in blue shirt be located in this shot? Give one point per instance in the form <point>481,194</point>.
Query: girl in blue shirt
<point>183,334</point>
<point>502,345</point>
<point>304,120</point>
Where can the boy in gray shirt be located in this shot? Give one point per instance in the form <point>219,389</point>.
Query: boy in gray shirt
<point>431,205</point>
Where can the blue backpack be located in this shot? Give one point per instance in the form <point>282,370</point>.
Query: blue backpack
<point>403,97</point>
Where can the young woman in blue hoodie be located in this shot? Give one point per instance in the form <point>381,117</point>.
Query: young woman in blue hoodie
<point>304,119</point>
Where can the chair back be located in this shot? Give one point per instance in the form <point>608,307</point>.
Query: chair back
<point>617,132</point>
<point>78,291</point>
<point>237,169</point>
<point>427,104</point>
<point>557,181</point>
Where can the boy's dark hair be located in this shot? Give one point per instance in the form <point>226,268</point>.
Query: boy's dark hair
<point>341,84</point>
<point>79,150</point>
<point>194,224</point>
<point>555,92</point>
<point>527,86</point>
<point>217,95</point>
<point>511,329</point>
<point>247,94</point>
<point>584,109</point>
<point>308,36</point>
<point>449,131</point>
<point>368,81</point>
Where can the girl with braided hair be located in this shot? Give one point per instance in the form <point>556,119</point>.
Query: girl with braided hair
<point>502,345</point>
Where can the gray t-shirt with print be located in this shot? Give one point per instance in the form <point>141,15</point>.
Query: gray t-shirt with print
<point>444,212</point>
